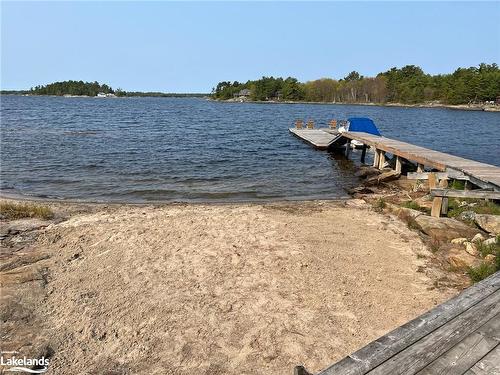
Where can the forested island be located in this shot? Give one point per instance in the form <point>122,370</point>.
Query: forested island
<point>407,85</point>
<point>81,88</point>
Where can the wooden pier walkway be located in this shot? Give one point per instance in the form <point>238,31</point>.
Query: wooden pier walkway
<point>483,175</point>
<point>460,336</point>
<point>321,138</point>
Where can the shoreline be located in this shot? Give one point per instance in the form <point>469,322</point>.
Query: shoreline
<point>229,287</point>
<point>464,107</point>
<point>219,201</point>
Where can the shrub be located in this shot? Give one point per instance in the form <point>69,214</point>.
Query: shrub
<point>379,204</point>
<point>456,207</point>
<point>22,210</point>
<point>482,271</point>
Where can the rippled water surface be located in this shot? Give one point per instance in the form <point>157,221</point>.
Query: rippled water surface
<point>155,149</point>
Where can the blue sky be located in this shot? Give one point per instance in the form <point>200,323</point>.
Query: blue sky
<point>190,46</point>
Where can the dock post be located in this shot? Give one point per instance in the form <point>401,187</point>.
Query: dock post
<point>347,148</point>
<point>420,168</point>
<point>363,154</point>
<point>375,158</point>
<point>444,205</point>
<point>381,159</point>
<point>398,164</point>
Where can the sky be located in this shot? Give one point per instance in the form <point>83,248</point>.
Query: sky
<point>190,46</point>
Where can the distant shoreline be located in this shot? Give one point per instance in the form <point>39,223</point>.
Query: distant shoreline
<point>465,107</point>
<point>167,95</point>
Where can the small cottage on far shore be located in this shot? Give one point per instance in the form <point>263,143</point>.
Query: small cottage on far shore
<point>245,93</point>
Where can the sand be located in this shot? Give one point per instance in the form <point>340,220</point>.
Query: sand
<point>226,289</point>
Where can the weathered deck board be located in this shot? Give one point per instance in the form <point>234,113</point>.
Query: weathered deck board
<point>483,174</point>
<point>318,138</point>
<point>434,338</point>
<point>489,365</point>
<point>468,352</point>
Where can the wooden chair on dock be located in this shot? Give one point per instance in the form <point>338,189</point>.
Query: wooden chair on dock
<point>333,124</point>
<point>310,124</point>
<point>299,124</point>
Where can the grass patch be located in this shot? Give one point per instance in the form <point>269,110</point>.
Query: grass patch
<point>379,205</point>
<point>479,206</point>
<point>486,269</point>
<point>23,210</point>
<point>481,272</point>
<point>489,249</point>
<point>457,185</point>
<point>415,206</point>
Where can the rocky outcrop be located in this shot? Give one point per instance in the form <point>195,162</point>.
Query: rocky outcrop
<point>383,177</point>
<point>403,212</point>
<point>471,249</point>
<point>444,229</point>
<point>461,260</point>
<point>489,223</point>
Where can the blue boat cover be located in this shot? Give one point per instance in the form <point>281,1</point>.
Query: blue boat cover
<point>362,124</point>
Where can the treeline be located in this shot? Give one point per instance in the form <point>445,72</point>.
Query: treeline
<point>72,88</point>
<point>409,85</point>
<point>81,88</point>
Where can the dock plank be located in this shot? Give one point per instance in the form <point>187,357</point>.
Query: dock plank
<point>468,352</point>
<point>417,356</point>
<point>394,342</point>
<point>489,365</point>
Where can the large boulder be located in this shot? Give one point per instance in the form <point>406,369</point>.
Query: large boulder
<point>490,223</point>
<point>461,260</point>
<point>403,212</point>
<point>445,229</point>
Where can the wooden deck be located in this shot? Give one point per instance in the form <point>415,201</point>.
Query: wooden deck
<point>481,174</point>
<point>460,336</point>
<point>484,175</point>
<point>320,138</point>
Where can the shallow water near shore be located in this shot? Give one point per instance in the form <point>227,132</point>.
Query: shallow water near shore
<point>190,149</point>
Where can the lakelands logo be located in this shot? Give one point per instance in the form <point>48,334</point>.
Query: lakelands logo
<point>23,364</point>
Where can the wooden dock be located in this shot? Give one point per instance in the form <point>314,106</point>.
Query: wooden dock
<point>483,175</point>
<point>320,139</point>
<point>460,336</point>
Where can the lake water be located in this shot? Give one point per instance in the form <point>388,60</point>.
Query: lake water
<point>170,149</point>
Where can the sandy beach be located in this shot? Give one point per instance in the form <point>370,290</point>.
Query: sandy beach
<point>210,289</point>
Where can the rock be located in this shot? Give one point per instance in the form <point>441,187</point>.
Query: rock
<point>24,225</point>
<point>357,203</point>
<point>403,212</point>
<point>478,238</point>
<point>467,215</point>
<point>459,241</point>
<point>444,229</point>
<point>367,172</point>
<point>460,259</point>
<point>425,201</point>
<point>386,176</point>
<point>471,249</point>
<point>360,190</point>
<point>490,258</point>
<point>490,241</point>
<point>490,223</point>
